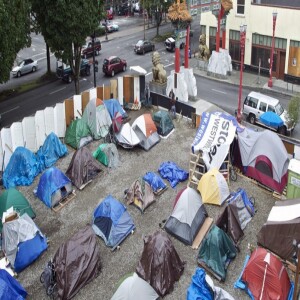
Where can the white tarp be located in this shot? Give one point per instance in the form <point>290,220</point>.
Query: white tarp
<point>40,128</point>
<point>284,213</point>
<point>6,145</point>
<point>29,133</point>
<point>214,136</point>
<point>138,70</point>
<point>17,138</point>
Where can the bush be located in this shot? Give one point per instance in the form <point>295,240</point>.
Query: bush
<point>100,31</point>
<point>294,107</point>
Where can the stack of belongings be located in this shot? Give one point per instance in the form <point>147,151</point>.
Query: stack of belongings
<point>156,182</point>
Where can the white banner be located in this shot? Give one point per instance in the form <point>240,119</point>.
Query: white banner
<point>214,136</point>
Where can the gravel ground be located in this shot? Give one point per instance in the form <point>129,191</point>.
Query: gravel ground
<point>59,226</point>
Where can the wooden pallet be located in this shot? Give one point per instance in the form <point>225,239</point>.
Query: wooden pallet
<point>202,232</point>
<point>64,202</point>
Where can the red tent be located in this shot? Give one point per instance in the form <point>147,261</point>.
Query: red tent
<point>266,276</point>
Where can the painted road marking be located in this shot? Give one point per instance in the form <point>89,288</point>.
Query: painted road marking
<point>221,92</point>
<point>17,107</point>
<point>57,91</point>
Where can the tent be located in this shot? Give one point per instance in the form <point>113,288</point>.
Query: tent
<point>13,198</point>
<point>163,123</point>
<point>265,277</point>
<point>146,131</point>
<point>216,251</point>
<point>213,187</point>
<point>112,222</point>
<point>51,151</point>
<point>140,194</point>
<point>187,217</point>
<point>77,262</point>
<point>160,264</point>
<point>97,118</point>
<point>22,168</point>
<point>281,228</point>
<point>263,157</point>
<point>155,181</point>
<point>53,186</point>
<point>108,155</point>
<point>10,288</point>
<point>173,173</point>
<point>133,288</point>
<point>78,134</point>
<point>126,137</point>
<point>113,106</point>
<point>83,167</point>
<point>22,242</point>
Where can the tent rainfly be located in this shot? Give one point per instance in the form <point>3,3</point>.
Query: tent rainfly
<point>126,137</point>
<point>108,155</point>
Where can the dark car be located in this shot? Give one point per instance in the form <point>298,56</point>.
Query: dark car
<point>87,49</point>
<point>143,46</point>
<point>113,65</point>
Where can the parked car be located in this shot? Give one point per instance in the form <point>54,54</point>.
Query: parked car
<point>143,46</point>
<point>111,27</point>
<point>113,65</point>
<point>25,66</point>
<point>256,104</point>
<point>170,44</point>
<point>87,49</point>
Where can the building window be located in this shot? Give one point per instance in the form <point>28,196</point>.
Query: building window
<point>240,9</point>
<point>234,45</point>
<point>212,38</point>
<point>295,43</point>
<point>203,29</point>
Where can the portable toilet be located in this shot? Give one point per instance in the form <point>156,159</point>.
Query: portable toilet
<point>293,186</point>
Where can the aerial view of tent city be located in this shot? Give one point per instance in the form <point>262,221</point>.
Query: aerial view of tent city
<point>143,186</point>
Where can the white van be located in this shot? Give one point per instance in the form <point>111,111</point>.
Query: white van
<point>256,104</point>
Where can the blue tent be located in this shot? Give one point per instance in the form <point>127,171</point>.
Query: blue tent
<point>53,186</point>
<point>51,150</point>
<point>270,118</point>
<point>22,168</point>
<point>10,288</point>
<point>112,222</point>
<point>155,181</point>
<point>170,171</point>
<point>113,106</point>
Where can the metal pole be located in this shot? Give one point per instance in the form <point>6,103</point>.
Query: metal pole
<point>270,83</point>
<point>93,45</point>
<point>144,20</point>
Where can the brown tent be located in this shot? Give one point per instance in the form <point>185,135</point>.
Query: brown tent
<point>281,228</point>
<point>83,167</point>
<point>76,263</point>
<point>160,264</point>
<point>140,194</point>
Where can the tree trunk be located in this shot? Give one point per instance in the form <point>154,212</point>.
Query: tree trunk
<point>48,59</point>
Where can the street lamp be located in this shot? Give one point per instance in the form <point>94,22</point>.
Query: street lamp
<point>243,29</point>
<point>270,83</point>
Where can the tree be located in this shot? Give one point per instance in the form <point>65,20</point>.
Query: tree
<point>294,108</point>
<point>65,25</point>
<point>14,32</point>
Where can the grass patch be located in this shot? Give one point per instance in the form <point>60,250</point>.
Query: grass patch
<point>163,37</point>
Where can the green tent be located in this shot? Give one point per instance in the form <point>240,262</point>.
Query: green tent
<point>13,198</point>
<point>108,155</point>
<point>163,122</point>
<point>77,133</point>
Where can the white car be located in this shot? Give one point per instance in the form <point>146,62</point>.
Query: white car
<point>25,66</point>
<point>111,27</point>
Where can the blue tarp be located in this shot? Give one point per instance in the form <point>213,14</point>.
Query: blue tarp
<point>170,171</point>
<point>10,288</point>
<point>270,118</point>
<point>22,168</point>
<point>154,181</point>
<point>52,180</point>
<point>112,222</point>
<point>199,289</point>
<point>247,203</point>
<point>51,151</point>
<point>113,106</point>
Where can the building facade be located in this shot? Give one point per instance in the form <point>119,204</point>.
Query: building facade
<point>258,16</point>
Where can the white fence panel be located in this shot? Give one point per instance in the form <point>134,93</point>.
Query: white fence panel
<point>29,133</point>
<point>17,138</point>
<point>60,120</point>
<point>49,120</point>
<point>93,93</point>
<point>6,145</point>
<point>40,128</point>
<point>120,90</point>
<point>77,106</point>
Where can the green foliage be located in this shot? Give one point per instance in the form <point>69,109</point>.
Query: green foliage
<point>294,108</point>
<point>100,31</point>
<point>14,32</point>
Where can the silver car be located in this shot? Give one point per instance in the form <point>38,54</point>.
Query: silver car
<point>25,66</point>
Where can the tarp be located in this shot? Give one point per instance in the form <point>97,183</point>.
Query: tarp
<point>270,118</point>
<point>108,155</point>
<point>264,157</point>
<point>140,194</point>
<point>281,228</point>
<point>52,180</point>
<point>112,222</point>
<point>216,251</point>
<point>126,137</point>
<point>51,151</point>
<point>173,173</point>
<point>13,198</point>
<point>155,181</point>
<point>265,277</point>
<point>76,263</point>
<point>214,136</point>
<point>163,123</point>
<point>83,167</point>
<point>22,242</point>
<point>22,168</point>
<point>213,187</point>
<point>134,288</point>
<point>146,131</point>
<point>78,134</point>
<point>187,217</point>
<point>113,106</point>
<point>160,264</point>
<point>10,288</point>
